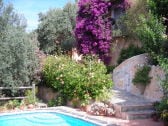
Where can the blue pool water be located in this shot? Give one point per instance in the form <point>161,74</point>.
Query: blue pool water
<point>42,119</point>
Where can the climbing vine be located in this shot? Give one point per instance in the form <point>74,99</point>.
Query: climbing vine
<point>93,26</point>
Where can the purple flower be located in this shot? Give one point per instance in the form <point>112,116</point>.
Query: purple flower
<point>93,28</point>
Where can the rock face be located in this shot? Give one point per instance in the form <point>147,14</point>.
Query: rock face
<point>154,91</point>
<point>46,94</point>
<point>125,72</point>
<point>120,43</point>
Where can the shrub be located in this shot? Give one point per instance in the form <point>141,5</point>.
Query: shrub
<point>164,115</point>
<point>55,30</point>
<point>56,102</point>
<point>151,32</point>
<point>129,52</point>
<point>162,109</point>
<point>93,26</point>
<point>142,76</point>
<point>12,104</point>
<point>160,9</point>
<point>74,80</point>
<point>51,103</point>
<point>148,28</point>
<point>17,53</point>
<point>130,20</point>
<point>30,98</point>
<point>110,69</point>
<point>163,105</point>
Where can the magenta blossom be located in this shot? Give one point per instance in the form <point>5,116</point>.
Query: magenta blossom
<point>93,26</point>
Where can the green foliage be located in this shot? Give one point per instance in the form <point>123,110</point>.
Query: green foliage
<point>106,94</point>
<point>30,98</point>
<point>130,21</point>
<point>162,105</point>
<point>149,29</point>
<point>151,32</point>
<point>51,103</point>
<point>56,102</point>
<point>164,115</point>
<point>12,104</point>
<point>17,53</point>
<point>143,25</point>
<point>76,80</point>
<point>160,9</point>
<point>110,69</point>
<point>55,30</point>
<point>9,17</point>
<point>164,83</point>
<point>162,109</point>
<point>165,86</point>
<point>142,76</point>
<point>18,59</point>
<point>129,52</point>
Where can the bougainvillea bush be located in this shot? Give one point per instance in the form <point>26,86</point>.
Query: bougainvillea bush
<point>93,26</point>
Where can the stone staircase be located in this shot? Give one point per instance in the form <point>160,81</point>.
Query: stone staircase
<point>129,107</point>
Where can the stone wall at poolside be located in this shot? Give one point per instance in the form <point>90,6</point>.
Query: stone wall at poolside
<point>125,72</point>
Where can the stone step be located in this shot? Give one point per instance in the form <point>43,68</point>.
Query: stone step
<point>141,111</point>
<point>126,108</point>
<point>131,115</point>
<point>129,106</point>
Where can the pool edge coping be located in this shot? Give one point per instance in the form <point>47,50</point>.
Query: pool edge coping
<point>76,113</point>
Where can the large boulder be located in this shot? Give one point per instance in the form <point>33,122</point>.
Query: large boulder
<point>125,72</point>
<point>154,91</point>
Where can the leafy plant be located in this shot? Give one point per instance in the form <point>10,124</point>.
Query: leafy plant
<point>55,31</point>
<point>164,115</point>
<point>163,105</point>
<point>131,51</point>
<point>52,103</point>
<point>58,101</point>
<point>86,100</point>
<point>151,32</point>
<point>30,98</point>
<point>17,53</point>
<point>104,96</point>
<point>142,76</point>
<point>130,21</point>
<point>160,9</point>
<point>162,109</point>
<point>110,69</point>
<point>74,80</point>
<point>12,104</point>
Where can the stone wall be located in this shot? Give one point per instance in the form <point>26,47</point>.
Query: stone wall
<point>46,94</point>
<point>118,44</point>
<point>125,72</point>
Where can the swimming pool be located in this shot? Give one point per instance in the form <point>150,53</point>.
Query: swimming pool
<point>42,119</point>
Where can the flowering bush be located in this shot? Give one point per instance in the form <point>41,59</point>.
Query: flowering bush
<point>100,108</point>
<point>72,80</point>
<point>93,27</point>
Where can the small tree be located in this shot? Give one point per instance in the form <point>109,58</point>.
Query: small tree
<point>17,53</point>
<point>56,28</point>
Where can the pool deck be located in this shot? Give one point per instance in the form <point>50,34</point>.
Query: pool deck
<point>99,120</point>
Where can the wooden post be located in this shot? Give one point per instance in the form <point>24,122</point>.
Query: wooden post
<point>34,92</point>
